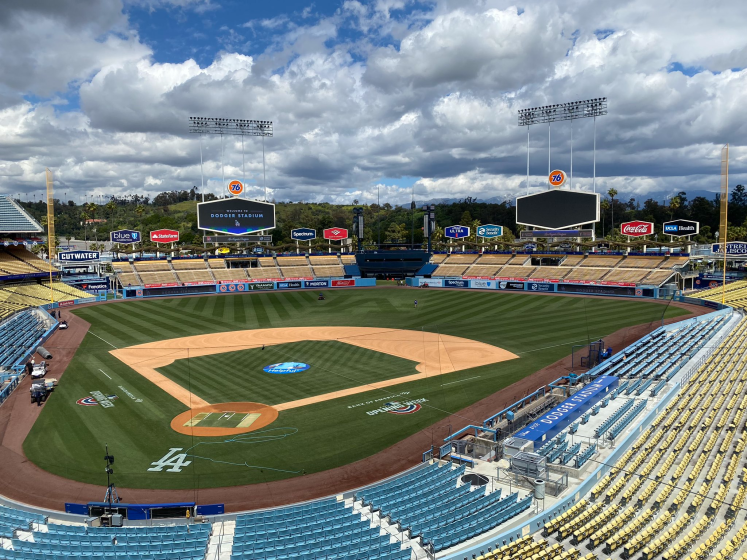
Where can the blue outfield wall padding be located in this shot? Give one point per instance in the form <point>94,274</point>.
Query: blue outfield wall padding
<point>76,509</point>
<point>567,412</point>
<point>211,509</point>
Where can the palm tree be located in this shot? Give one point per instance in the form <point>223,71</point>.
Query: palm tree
<point>85,217</point>
<point>605,206</point>
<point>111,207</point>
<point>674,203</point>
<point>613,194</point>
<point>140,210</point>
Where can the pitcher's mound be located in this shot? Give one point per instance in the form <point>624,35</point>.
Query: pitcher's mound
<point>224,419</point>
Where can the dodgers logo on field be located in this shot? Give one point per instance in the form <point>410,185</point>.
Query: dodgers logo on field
<point>286,367</point>
<point>403,409</point>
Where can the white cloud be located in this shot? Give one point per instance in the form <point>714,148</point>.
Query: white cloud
<point>438,100</point>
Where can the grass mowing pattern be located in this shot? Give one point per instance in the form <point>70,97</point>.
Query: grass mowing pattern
<point>68,439</point>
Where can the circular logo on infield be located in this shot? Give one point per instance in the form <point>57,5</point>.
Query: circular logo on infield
<point>235,188</point>
<point>87,401</point>
<point>557,178</point>
<point>403,409</point>
<point>286,367</point>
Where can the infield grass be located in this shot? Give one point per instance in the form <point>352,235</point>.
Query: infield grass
<point>68,439</point>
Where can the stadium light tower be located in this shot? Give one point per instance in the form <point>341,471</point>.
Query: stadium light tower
<point>589,108</point>
<point>233,127</point>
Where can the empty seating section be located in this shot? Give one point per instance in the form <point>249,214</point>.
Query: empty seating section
<point>435,259</point>
<point>190,264</point>
<point>623,275</point>
<point>229,273</point>
<point>194,275</point>
<point>679,490</point>
<point>586,274</point>
<point>462,512</point>
<point>512,271</point>
<point>296,271</point>
<point>216,263</point>
<point>291,261</point>
<point>671,262</point>
<point>70,542</point>
<point>328,271</point>
<point>152,266</point>
<point>349,259</point>
<point>599,261</point>
<point>129,279</point>
<point>166,277</point>
<point>450,270</point>
<point>483,270</point>
<point>263,272</point>
<point>461,259</point>
<point>573,260</point>
<point>18,334</point>
<point>17,260</point>
<point>641,262</point>
<point>37,294</point>
<point>494,259</point>
<point>322,260</point>
<point>657,277</point>
<point>324,530</point>
<point>550,272</point>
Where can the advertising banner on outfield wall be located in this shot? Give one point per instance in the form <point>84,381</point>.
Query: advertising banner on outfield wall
<point>261,286</point>
<point>484,284</point>
<point>286,285</point>
<point>540,287</point>
<point>433,282</point>
<point>505,285</point>
<point>455,283</point>
<point>342,283</point>
<point>316,284</point>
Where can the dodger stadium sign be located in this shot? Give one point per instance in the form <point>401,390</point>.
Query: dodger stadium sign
<point>235,215</point>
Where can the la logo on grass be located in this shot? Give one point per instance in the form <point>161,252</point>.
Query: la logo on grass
<point>177,461</point>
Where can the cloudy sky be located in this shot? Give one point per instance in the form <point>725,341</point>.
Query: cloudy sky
<point>366,96</point>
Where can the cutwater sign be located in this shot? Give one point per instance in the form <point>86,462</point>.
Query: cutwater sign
<point>125,236</point>
<point>303,234</point>
<point>78,256</point>
<point>489,231</point>
<point>456,232</point>
<point>732,248</point>
<point>286,367</point>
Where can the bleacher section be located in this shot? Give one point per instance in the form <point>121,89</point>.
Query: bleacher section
<point>593,267</point>
<point>30,536</point>
<point>318,530</point>
<point>18,334</point>
<point>15,297</point>
<point>17,260</point>
<point>679,490</point>
<point>462,512</point>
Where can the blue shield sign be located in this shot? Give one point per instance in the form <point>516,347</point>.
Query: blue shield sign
<point>125,236</point>
<point>303,234</point>
<point>77,256</point>
<point>456,232</point>
<point>732,248</point>
<point>489,231</point>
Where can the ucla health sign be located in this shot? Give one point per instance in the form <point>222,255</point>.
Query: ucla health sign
<point>125,236</point>
<point>489,231</point>
<point>456,232</point>
<point>303,234</point>
<point>77,256</point>
<point>681,228</point>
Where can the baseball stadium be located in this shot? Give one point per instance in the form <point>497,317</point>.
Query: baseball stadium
<point>473,395</point>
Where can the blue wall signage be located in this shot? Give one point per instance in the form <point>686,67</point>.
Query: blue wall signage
<point>732,248</point>
<point>456,232</point>
<point>293,284</point>
<point>303,234</point>
<point>100,285</point>
<point>316,283</point>
<point>552,423</point>
<point>456,283</point>
<point>125,236</point>
<point>78,256</point>
<point>489,231</point>
<point>539,287</point>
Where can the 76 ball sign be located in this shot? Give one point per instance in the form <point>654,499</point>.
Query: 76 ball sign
<point>557,178</point>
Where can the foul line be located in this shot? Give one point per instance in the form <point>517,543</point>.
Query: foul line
<point>461,380</point>
<point>102,371</point>
<point>97,336</point>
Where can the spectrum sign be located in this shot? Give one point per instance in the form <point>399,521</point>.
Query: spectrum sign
<point>303,234</point>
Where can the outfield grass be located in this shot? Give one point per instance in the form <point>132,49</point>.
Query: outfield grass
<point>68,439</point>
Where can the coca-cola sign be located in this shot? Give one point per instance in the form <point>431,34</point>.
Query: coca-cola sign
<point>636,229</point>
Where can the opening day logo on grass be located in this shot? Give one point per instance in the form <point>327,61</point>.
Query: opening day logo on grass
<point>286,367</point>
<point>396,407</point>
<point>96,398</point>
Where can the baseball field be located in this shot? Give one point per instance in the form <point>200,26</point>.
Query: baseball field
<point>229,390</point>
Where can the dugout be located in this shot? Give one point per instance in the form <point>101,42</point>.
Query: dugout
<point>143,511</point>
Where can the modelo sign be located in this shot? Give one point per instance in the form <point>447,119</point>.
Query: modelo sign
<point>235,215</point>
<point>489,231</point>
<point>456,232</point>
<point>636,229</point>
<point>681,228</point>
<point>125,236</point>
<point>164,236</point>
<point>303,234</point>
<point>335,234</point>
<point>78,256</point>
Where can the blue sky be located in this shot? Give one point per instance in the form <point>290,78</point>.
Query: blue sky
<point>369,96</point>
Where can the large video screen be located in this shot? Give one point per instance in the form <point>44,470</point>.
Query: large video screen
<point>557,209</point>
<point>235,215</point>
